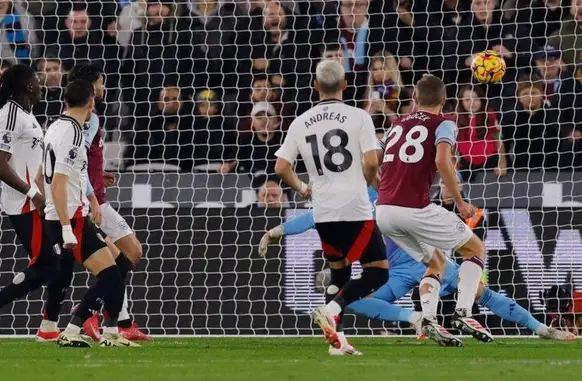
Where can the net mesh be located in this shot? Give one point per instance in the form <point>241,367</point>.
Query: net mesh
<point>201,92</point>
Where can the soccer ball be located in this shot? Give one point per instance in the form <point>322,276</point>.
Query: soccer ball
<point>488,66</point>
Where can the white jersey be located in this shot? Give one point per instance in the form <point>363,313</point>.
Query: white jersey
<point>332,137</point>
<point>65,153</point>
<point>21,136</point>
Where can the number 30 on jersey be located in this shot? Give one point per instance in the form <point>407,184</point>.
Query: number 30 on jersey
<point>411,150</point>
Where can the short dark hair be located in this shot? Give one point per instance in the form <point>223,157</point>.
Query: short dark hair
<point>260,77</point>
<point>86,72</point>
<point>78,93</point>
<point>430,91</point>
<point>331,46</point>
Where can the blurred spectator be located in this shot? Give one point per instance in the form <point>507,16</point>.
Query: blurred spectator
<point>354,94</point>
<point>18,41</point>
<point>207,43</point>
<point>166,135</point>
<point>4,65</point>
<point>238,110</point>
<point>532,14</point>
<point>80,42</point>
<point>51,76</point>
<point>212,133</point>
<point>480,142</point>
<point>484,29</point>
<point>282,49</point>
<point>569,36</point>
<point>532,131</point>
<point>557,81</point>
<point>150,56</point>
<point>254,151</point>
<point>385,96</point>
<point>271,195</point>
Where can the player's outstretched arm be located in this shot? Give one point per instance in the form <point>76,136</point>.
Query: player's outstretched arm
<point>297,225</point>
<point>370,166</point>
<point>59,187</point>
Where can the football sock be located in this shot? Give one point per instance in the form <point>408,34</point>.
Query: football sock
<point>57,288</point>
<point>379,309</point>
<point>109,288</point>
<point>24,283</point>
<point>371,279</point>
<point>508,309</point>
<point>339,278</point>
<point>125,266</point>
<point>429,300</point>
<point>48,326</point>
<point>469,277</point>
<point>73,329</point>
<point>124,320</point>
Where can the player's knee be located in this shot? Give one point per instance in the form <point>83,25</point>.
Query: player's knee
<point>38,274</point>
<point>376,277</point>
<point>437,262</point>
<point>473,248</point>
<point>340,277</point>
<point>135,252</point>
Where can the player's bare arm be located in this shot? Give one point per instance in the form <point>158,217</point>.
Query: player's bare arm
<point>95,210</point>
<point>444,163</point>
<point>9,177</point>
<point>370,165</point>
<point>59,191</point>
<point>285,171</point>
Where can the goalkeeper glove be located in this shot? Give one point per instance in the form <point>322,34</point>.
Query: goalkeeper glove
<point>69,239</point>
<point>271,235</point>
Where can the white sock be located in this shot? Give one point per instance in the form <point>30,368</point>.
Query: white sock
<point>48,326</point>
<point>543,330</point>
<point>415,317</point>
<point>112,330</point>
<point>73,329</point>
<point>342,338</point>
<point>430,300</point>
<point>333,308</point>
<point>124,314</point>
<point>469,278</point>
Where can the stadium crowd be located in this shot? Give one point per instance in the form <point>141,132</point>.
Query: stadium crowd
<point>212,85</point>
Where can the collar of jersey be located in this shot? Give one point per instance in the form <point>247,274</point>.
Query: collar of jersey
<point>17,105</point>
<point>333,100</point>
<point>72,120</point>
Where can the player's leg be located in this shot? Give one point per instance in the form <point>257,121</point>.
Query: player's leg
<point>380,305</point>
<point>509,309</point>
<point>127,251</point>
<point>442,229</point>
<point>56,289</point>
<point>358,240</point>
<point>44,261</point>
<point>92,252</point>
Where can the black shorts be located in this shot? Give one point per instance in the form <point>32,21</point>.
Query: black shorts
<point>89,240</point>
<point>354,240</point>
<point>32,235</point>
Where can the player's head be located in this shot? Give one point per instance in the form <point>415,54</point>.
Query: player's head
<point>330,79</point>
<point>430,92</point>
<point>21,84</point>
<point>80,95</point>
<point>90,73</point>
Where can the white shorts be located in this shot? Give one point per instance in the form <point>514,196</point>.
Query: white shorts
<point>112,224</point>
<point>419,231</point>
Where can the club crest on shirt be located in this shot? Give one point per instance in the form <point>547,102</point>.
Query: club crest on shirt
<point>461,226</point>
<point>6,138</point>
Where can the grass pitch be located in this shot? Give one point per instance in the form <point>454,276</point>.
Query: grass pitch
<point>302,359</point>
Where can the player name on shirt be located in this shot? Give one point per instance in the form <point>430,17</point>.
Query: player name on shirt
<point>331,138</point>
<point>22,137</point>
<point>320,117</point>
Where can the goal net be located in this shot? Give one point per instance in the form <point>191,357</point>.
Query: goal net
<point>199,94</point>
